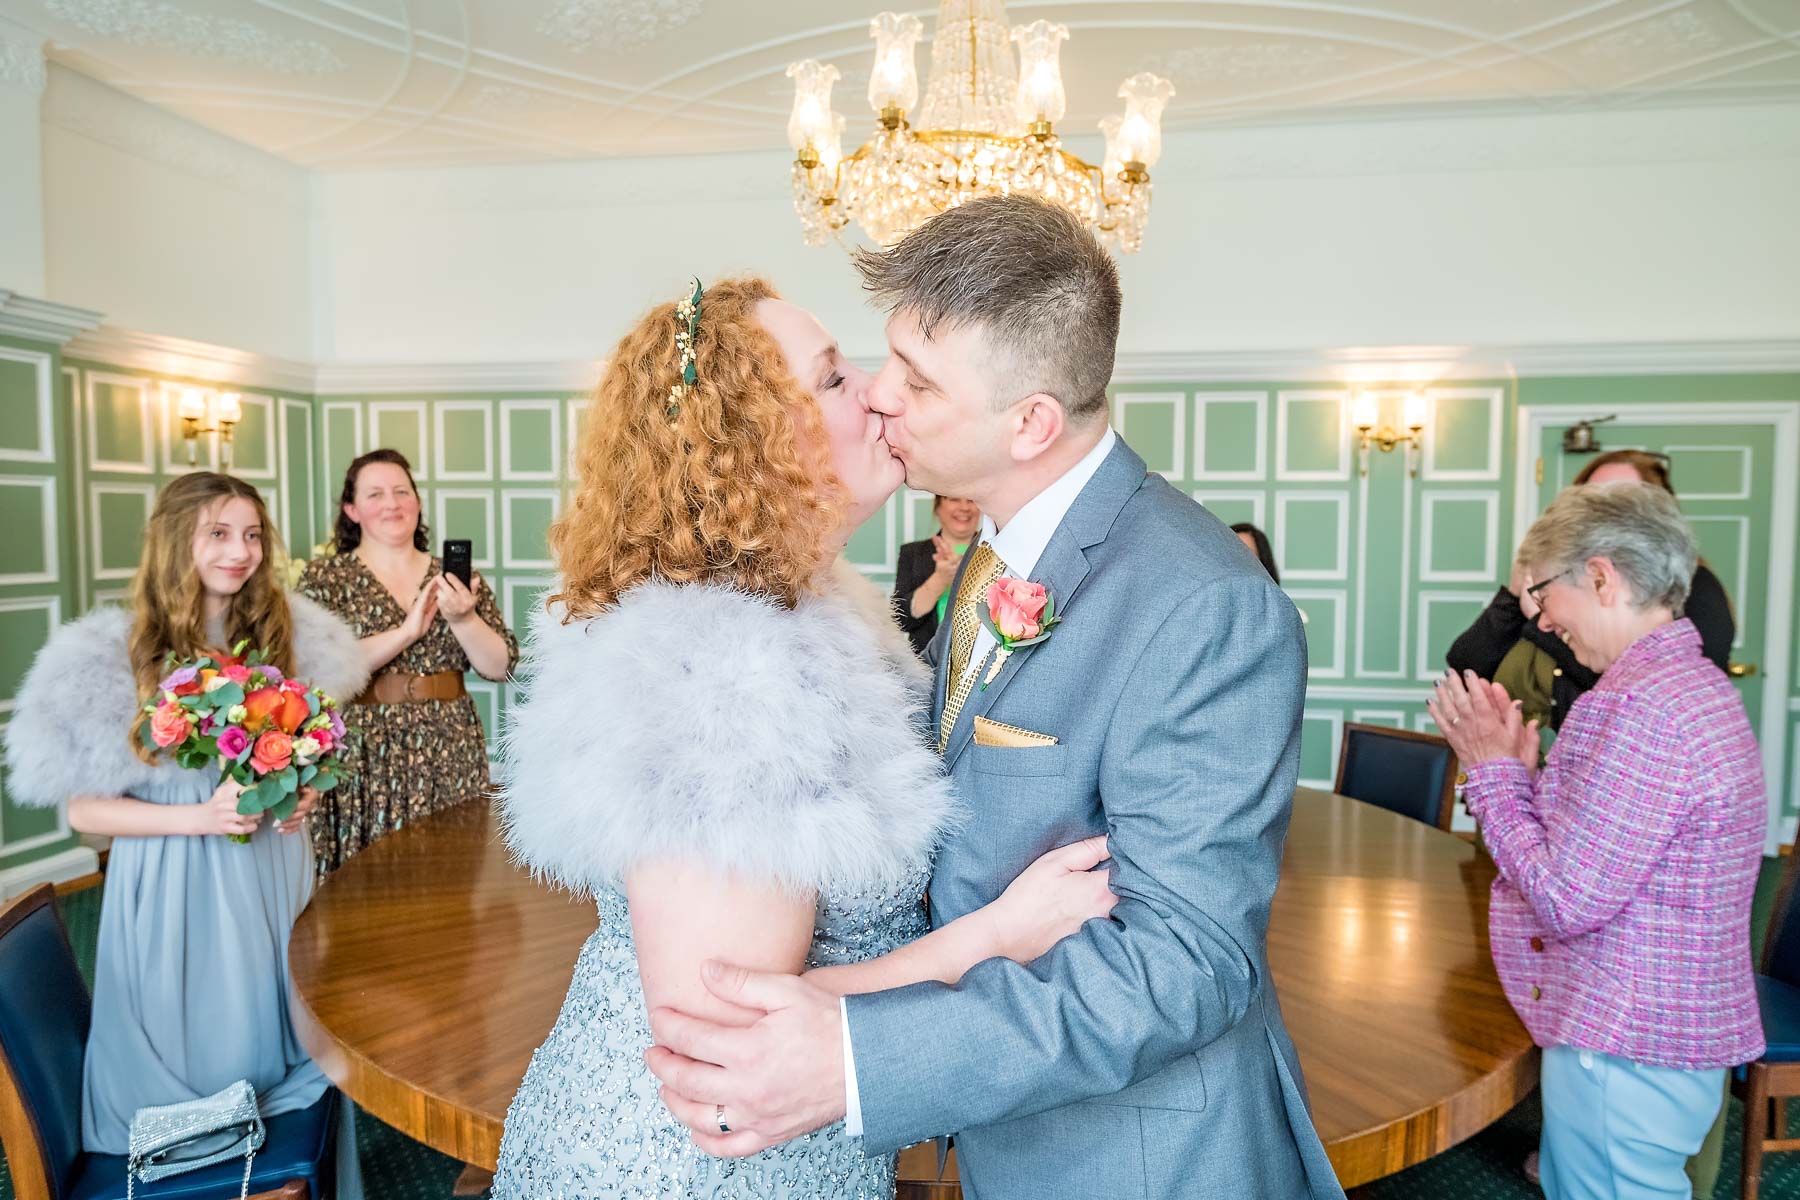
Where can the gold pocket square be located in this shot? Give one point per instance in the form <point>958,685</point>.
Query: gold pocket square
<point>993,733</point>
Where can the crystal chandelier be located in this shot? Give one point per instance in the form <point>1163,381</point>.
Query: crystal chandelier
<point>987,128</point>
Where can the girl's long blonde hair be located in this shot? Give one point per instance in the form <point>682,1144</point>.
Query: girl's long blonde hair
<point>167,601</point>
<point>736,486</point>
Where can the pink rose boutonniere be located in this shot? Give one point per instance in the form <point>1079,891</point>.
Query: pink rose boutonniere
<point>1017,612</point>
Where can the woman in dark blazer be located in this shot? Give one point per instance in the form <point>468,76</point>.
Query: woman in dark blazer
<point>927,567</point>
<point>1539,668</point>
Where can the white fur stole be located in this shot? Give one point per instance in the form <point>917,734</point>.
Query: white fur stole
<point>703,723</point>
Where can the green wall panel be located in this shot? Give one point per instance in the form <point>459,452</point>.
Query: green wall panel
<point>1312,444</point>
<point>253,443</point>
<point>531,441</point>
<point>1230,440</point>
<point>27,511</point>
<point>1459,542</point>
<point>468,445</point>
<point>25,624</point>
<point>21,419</point>
<point>526,523</point>
<point>121,432</point>
<point>1459,432</point>
<point>400,427</point>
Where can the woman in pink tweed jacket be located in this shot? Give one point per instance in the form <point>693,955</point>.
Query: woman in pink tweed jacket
<point>1621,919</point>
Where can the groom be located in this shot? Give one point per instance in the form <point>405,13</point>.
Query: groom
<point>1144,1055</point>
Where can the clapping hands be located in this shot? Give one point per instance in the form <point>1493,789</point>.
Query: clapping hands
<point>1481,721</point>
<point>944,559</point>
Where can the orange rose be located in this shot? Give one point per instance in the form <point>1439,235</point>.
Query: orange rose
<point>273,751</point>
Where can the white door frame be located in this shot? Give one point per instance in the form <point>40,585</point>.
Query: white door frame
<point>1783,418</point>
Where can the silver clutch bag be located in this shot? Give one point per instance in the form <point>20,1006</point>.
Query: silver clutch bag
<point>172,1138</point>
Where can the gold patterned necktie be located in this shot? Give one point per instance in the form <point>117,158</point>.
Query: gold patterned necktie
<point>984,567</point>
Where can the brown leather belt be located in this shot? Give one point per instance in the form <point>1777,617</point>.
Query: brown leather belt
<point>396,687</point>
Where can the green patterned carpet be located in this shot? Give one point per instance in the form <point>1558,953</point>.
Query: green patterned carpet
<point>1484,1168</point>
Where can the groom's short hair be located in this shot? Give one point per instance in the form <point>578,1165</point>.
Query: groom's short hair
<point>1026,273</point>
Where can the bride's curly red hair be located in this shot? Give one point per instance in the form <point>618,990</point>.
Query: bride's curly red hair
<point>737,487</point>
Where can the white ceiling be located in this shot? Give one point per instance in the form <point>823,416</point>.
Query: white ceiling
<point>336,84</point>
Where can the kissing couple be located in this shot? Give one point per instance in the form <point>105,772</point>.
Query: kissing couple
<point>727,742</point>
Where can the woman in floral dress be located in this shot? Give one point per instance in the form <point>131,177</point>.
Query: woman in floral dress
<point>422,748</point>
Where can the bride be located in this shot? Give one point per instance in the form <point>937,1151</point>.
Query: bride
<point>721,740</point>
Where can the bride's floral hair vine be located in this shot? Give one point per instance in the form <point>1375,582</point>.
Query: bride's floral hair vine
<point>687,313</point>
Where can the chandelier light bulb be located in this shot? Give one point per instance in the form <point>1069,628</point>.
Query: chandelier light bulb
<point>894,82</point>
<point>811,121</point>
<point>1140,134</point>
<point>1041,97</point>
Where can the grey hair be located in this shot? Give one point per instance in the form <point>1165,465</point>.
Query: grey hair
<point>1635,525</point>
<point>1026,273</point>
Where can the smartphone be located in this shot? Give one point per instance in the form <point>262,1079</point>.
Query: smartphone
<point>457,554</point>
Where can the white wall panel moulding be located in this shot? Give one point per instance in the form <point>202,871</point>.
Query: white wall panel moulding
<point>43,320</point>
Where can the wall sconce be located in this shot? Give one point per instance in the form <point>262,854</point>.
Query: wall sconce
<point>195,408</point>
<point>1364,413</point>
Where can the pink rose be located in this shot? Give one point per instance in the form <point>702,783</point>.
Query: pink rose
<point>1016,605</point>
<point>233,742</point>
<point>168,725</point>
<point>274,751</point>
<point>237,673</point>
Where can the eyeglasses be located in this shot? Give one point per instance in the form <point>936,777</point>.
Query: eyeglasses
<point>1536,590</point>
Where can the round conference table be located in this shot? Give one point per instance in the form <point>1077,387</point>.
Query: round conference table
<point>428,968</point>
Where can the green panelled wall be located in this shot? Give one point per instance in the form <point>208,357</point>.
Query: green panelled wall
<point>1387,567</point>
<point>37,553</point>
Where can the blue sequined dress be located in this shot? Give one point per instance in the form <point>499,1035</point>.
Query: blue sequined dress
<point>587,1121</point>
<point>773,743</point>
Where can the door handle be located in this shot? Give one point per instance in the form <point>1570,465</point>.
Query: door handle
<point>1738,670</point>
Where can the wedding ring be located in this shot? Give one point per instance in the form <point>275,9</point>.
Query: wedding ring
<point>719,1116</point>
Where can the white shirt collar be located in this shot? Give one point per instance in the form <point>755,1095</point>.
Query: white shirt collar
<point>1022,542</point>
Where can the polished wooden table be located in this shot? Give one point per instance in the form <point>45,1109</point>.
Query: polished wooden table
<point>429,968</point>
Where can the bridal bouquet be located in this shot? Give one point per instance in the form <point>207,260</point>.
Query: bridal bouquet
<point>272,734</point>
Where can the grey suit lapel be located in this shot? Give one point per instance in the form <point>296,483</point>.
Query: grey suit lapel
<point>1061,569</point>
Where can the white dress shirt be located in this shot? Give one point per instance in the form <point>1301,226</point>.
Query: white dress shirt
<point>1019,546</point>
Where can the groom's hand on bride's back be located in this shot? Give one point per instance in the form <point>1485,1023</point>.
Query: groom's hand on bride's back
<point>775,1079</point>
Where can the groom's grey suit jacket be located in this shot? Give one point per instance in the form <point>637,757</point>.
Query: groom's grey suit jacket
<point>1145,1055</point>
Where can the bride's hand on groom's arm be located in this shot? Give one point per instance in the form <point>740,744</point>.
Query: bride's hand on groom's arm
<point>1051,899</point>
